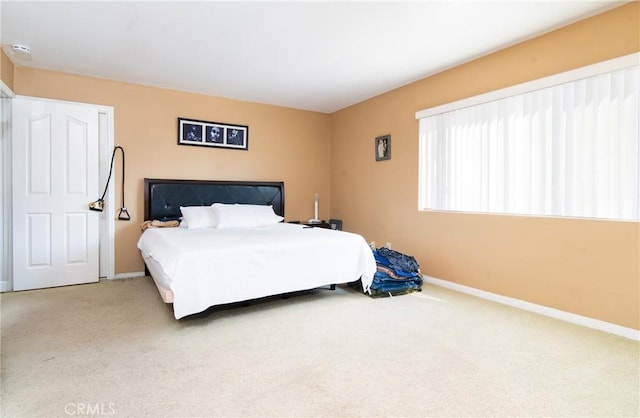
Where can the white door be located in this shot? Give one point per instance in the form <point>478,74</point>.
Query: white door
<point>55,176</point>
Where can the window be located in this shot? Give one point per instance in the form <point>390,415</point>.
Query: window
<point>566,145</point>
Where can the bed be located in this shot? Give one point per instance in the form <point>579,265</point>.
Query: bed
<point>200,267</point>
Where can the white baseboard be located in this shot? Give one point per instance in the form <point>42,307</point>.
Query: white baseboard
<point>130,275</point>
<point>542,310</point>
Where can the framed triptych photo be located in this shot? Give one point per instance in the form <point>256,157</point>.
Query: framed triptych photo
<point>212,134</point>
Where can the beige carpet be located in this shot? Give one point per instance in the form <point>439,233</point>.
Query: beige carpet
<point>114,349</point>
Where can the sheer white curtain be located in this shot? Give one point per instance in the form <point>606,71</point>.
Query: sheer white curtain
<point>566,150</point>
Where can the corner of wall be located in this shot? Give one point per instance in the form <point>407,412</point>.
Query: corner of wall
<point>6,70</point>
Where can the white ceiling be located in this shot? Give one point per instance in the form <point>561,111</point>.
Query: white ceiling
<point>320,56</point>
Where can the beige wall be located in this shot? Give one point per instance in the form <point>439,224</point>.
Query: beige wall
<point>587,267</point>
<point>6,69</point>
<point>284,144</point>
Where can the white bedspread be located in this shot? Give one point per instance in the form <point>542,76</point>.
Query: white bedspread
<point>214,266</point>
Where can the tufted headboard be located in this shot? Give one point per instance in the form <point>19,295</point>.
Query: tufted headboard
<point>163,197</point>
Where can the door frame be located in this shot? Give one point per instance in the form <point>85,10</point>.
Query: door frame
<point>6,204</point>
<point>107,217</point>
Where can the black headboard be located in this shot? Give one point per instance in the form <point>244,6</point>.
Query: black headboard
<point>163,197</point>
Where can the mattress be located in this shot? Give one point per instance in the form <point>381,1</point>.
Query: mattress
<point>212,266</point>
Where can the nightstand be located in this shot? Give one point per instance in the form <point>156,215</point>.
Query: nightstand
<point>321,224</point>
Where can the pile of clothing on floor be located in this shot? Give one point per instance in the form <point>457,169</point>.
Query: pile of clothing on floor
<point>396,274</point>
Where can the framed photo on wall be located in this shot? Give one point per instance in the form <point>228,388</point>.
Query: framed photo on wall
<point>212,134</point>
<point>383,147</point>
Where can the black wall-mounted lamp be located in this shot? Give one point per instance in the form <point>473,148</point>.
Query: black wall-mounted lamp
<point>98,205</point>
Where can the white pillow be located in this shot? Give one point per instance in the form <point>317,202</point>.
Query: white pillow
<point>199,217</point>
<point>236,216</point>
